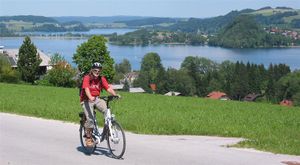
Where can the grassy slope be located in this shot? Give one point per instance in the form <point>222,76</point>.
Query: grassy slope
<point>268,127</point>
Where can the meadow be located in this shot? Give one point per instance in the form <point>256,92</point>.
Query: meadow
<point>266,127</point>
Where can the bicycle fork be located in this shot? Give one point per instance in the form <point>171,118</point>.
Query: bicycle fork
<point>108,122</point>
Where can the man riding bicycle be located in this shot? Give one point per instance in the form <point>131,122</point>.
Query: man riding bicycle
<point>92,85</point>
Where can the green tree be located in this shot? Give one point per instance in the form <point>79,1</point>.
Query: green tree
<point>227,69</point>
<point>94,50</point>
<point>240,81</point>
<point>7,74</point>
<point>180,81</point>
<point>197,68</point>
<point>126,86</point>
<point>288,87</point>
<point>62,75</point>
<point>29,61</point>
<point>270,90</point>
<point>56,58</point>
<point>152,72</point>
<point>123,67</point>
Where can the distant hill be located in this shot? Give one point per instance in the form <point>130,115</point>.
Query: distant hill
<point>282,17</point>
<point>206,25</point>
<point>151,21</point>
<point>279,16</point>
<point>97,19</point>
<point>28,18</point>
<point>245,32</point>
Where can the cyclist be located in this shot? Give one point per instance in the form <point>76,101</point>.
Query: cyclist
<point>92,85</point>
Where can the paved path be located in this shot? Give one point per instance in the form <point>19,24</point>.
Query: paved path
<point>34,141</point>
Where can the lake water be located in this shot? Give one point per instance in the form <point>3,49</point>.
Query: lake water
<point>171,55</point>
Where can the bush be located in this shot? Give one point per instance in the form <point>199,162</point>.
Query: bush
<point>7,74</point>
<point>61,75</point>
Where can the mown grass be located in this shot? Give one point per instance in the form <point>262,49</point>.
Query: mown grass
<point>267,127</point>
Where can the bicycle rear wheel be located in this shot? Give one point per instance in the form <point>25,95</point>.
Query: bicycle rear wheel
<point>88,150</point>
<point>116,140</point>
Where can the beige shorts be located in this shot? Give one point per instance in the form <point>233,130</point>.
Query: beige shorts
<point>88,108</point>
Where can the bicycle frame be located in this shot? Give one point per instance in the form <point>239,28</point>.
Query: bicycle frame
<point>109,118</point>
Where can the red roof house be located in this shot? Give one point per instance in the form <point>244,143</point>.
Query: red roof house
<point>285,102</point>
<point>218,95</point>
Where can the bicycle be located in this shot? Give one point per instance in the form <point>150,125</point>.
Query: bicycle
<point>112,132</point>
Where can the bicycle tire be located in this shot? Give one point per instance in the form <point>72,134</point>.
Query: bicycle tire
<point>88,150</point>
<point>119,133</point>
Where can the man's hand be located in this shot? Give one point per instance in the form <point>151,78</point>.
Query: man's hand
<point>92,98</point>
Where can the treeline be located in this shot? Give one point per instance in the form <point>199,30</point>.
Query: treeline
<point>5,32</point>
<point>60,28</point>
<point>242,32</point>
<point>207,25</point>
<point>277,18</point>
<point>200,76</point>
<point>148,21</point>
<point>146,37</point>
<point>28,18</point>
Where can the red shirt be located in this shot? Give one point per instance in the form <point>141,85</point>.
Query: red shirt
<point>94,85</point>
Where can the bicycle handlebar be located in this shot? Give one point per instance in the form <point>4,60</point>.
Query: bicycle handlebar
<point>109,98</point>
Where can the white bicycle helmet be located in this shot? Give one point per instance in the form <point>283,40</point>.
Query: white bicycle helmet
<point>97,65</point>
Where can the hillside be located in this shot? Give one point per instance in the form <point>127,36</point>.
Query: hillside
<point>245,32</point>
<point>280,16</point>
<point>267,127</point>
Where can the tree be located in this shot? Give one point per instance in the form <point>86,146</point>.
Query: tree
<point>270,90</point>
<point>152,72</point>
<point>227,69</point>
<point>240,81</point>
<point>180,81</point>
<point>7,74</point>
<point>56,58</point>
<point>62,75</point>
<point>126,86</point>
<point>94,50</point>
<point>29,61</point>
<point>197,68</point>
<point>123,67</point>
<point>288,87</point>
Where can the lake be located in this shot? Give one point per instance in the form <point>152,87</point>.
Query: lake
<point>171,55</point>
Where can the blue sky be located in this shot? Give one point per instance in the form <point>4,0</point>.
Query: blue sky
<point>160,8</point>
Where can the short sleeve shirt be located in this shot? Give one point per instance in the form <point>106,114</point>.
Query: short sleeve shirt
<point>94,85</point>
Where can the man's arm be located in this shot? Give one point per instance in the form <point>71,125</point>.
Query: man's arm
<point>88,94</point>
<point>111,91</point>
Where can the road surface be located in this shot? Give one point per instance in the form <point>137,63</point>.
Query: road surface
<point>35,141</point>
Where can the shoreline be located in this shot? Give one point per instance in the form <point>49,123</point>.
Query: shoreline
<point>113,43</point>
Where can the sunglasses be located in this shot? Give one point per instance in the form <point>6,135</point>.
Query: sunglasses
<point>96,71</point>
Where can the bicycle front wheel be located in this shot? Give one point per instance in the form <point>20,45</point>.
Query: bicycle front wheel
<point>116,140</point>
<point>88,150</point>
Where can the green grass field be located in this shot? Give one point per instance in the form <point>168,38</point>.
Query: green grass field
<point>267,127</point>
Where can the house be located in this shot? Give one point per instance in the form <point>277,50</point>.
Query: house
<point>136,90</point>
<point>286,102</point>
<point>1,49</point>
<point>251,97</point>
<point>172,93</point>
<point>218,95</point>
<point>12,55</point>
<point>130,77</point>
<point>117,86</point>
